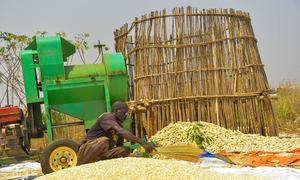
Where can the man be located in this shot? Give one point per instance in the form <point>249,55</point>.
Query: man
<point>105,138</point>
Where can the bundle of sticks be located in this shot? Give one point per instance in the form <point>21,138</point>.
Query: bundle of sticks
<point>180,152</point>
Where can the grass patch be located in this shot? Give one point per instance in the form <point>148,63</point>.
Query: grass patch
<point>287,106</point>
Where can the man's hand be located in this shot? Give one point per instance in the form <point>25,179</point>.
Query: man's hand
<point>148,148</point>
<point>129,136</point>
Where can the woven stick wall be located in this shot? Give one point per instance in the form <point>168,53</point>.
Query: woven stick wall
<point>196,65</point>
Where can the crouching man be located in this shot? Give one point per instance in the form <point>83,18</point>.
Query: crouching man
<point>105,138</point>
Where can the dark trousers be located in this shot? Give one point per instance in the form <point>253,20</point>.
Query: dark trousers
<point>100,149</point>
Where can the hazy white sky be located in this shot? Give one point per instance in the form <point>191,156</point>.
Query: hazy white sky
<point>276,24</point>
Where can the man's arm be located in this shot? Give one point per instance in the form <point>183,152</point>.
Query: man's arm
<point>129,136</point>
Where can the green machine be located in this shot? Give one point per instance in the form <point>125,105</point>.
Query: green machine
<point>81,91</point>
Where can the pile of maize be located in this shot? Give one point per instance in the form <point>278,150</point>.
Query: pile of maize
<point>224,139</point>
<point>19,174</point>
<point>141,168</point>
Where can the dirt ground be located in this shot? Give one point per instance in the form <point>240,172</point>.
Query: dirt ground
<point>286,132</point>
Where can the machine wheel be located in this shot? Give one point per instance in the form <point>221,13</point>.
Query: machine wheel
<point>60,154</point>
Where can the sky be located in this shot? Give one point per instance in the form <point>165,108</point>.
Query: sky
<point>276,24</point>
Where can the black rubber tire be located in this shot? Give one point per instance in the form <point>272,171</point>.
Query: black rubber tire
<point>44,158</point>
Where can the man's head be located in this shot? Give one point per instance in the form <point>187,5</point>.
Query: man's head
<point>120,110</point>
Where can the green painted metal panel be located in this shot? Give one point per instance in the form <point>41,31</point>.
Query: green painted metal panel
<point>88,111</point>
<point>116,71</point>
<point>50,58</point>
<point>80,94</point>
<point>29,76</point>
<point>31,46</point>
<point>83,99</point>
<point>114,63</point>
<point>118,87</point>
<point>66,47</point>
<point>48,114</point>
<point>52,52</point>
<point>84,71</point>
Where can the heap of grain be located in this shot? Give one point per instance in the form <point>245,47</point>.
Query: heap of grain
<point>224,139</point>
<point>141,168</point>
<point>19,173</point>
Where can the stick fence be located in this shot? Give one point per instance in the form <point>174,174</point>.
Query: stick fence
<point>195,65</point>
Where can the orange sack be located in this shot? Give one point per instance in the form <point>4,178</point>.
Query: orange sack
<point>261,158</point>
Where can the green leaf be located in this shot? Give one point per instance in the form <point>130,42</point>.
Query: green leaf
<point>196,135</point>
